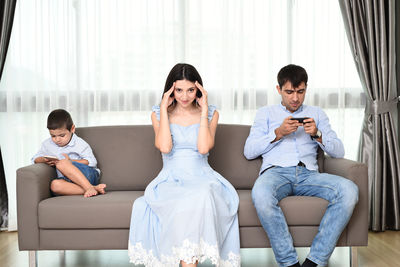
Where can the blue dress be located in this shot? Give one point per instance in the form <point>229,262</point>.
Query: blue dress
<point>188,212</point>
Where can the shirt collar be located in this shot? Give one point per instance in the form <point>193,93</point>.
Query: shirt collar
<point>72,141</point>
<point>300,109</point>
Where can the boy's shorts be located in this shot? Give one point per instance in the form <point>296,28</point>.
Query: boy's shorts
<point>90,173</point>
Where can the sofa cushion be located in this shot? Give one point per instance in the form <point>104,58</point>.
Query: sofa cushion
<point>111,210</point>
<point>292,207</point>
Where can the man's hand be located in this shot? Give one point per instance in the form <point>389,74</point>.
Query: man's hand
<point>310,127</point>
<point>288,126</point>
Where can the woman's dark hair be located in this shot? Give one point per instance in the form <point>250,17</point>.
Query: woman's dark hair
<point>293,74</point>
<point>59,118</point>
<point>183,71</point>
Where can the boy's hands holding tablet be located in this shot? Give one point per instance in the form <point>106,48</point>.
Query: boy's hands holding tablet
<point>50,160</point>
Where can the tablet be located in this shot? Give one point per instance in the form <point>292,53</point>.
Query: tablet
<point>50,157</point>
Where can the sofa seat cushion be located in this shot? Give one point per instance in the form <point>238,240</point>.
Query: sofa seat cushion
<point>109,211</point>
<point>292,207</point>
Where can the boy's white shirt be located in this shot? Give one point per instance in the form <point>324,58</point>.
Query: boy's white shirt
<point>76,149</point>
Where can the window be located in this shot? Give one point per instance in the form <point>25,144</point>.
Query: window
<point>107,61</point>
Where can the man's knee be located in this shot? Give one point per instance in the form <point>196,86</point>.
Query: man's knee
<point>349,192</point>
<point>263,197</point>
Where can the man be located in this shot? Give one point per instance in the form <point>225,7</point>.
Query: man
<point>287,137</point>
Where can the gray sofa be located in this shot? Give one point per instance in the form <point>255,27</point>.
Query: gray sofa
<point>129,161</point>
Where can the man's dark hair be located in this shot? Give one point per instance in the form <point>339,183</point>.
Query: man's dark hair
<point>59,118</point>
<point>293,74</point>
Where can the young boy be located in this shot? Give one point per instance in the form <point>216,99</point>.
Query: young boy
<point>71,156</point>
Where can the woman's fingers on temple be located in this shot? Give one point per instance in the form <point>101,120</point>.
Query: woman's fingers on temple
<point>198,85</point>
<point>202,90</point>
<point>169,92</point>
<point>172,88</point>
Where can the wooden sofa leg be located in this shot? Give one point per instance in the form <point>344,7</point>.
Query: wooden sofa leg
<point>353,257</point>
<point>32,258</point>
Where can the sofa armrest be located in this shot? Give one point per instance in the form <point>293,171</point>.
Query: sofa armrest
<point>33,185</point>
<point>357,228</point>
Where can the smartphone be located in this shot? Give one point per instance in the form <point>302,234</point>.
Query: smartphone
<point>300,120</point>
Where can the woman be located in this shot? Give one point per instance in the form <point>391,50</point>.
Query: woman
<point>188,212</point>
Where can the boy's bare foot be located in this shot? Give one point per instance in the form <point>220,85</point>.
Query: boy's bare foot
<point>90,192</point>
<point>100,188</point>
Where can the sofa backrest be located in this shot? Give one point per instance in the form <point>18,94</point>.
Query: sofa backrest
<point>125,155</point>
<point>227,156</point>
<point>128,159</point>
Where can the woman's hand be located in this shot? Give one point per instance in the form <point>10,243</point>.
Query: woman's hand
<point>167,98</point>
<point>203,100</point>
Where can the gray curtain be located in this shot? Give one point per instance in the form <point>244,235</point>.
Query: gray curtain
<point>370,28</point>
<point>3,197</point>
<point>7,8</point>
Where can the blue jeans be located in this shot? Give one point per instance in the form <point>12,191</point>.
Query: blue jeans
<point>90,173</point>
<point>277,183</point>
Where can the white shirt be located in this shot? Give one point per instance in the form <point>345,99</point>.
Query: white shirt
<point>76,149</point>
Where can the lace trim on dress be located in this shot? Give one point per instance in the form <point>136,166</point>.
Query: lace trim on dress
<point>189,252</point>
